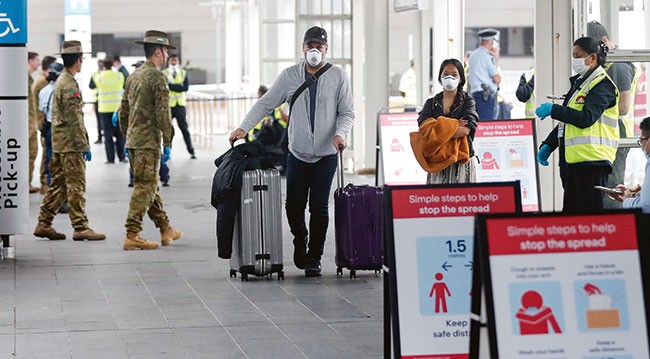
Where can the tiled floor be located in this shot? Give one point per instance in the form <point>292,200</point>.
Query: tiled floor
<point>69,299</point>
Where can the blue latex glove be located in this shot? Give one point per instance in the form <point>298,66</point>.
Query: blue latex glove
<point>544,110</point>
<point>126,152</point>
<point>115,118</point>
<point>167,154</point>
<point>543,155</point>
<point>88,156</point>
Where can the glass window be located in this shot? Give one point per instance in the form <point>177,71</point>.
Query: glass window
<point>277,9</point>
<point>512,41</point>
<point>337,7</point>
<point>278,41</point>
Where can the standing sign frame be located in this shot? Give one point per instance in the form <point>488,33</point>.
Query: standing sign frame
<point>403,115</point>
<point>502,246</point>
<point>512,144</point>
<point>404,213</point>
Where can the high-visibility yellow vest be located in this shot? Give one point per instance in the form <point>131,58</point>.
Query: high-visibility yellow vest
<point>529,108</point>
<point>109,85</point>
<point>277,116</point>
<point>599,141</point>
<point>95,77</point>
<point>628,119</point>
<point>176,98</point>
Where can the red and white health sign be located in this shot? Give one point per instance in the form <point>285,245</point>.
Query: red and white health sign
<point>399,164</point>
<point>567,286</point>
<point>434,251</point>
<point>506,151</point>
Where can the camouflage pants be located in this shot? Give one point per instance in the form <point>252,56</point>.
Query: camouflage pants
<point>43,156</point>
<point>145,198</point>
<point>33,151</point>
<point>68,183</point>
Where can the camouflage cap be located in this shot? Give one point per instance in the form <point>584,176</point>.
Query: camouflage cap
<point>156,38</point>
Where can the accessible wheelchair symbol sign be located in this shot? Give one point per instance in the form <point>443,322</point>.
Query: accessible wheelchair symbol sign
<point>13,21</point>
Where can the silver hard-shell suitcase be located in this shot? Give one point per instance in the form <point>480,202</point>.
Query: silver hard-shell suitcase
<point>257,238</point>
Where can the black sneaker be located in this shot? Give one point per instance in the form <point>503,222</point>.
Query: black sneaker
<point>300,253</point>
<point>165,184</point>
<point>313,268</point>
<point>192,156</point>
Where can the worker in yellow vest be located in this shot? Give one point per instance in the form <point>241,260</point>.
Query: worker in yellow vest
<point>270,129</point>
<point>587,135</point>
<point>178,86</point>
<point>526,92</point>
<point>623,74</point>
<point>93,99</point>
<point>110,85</point>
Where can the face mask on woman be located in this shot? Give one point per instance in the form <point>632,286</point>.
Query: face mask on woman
<point>449,83</point>
<point>579,65</point>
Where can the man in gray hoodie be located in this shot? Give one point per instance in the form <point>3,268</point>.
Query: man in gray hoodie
<point>320,120</point>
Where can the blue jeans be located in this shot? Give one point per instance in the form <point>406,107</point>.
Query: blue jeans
<point>487,110</point>
<point>311,181</point>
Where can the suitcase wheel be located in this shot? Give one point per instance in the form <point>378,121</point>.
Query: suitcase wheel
<point>339,270</point>
<point>244,277</point>
<point>281,275</point>
<point>353,273</point>
<point>233,273</point>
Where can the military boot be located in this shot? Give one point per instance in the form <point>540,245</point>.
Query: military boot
<point>133,241</point>
<point>169,234</point>
<point>88,234</point>
<point>45,230</point>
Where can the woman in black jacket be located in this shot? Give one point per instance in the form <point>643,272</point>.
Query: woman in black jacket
<point>455,103</point>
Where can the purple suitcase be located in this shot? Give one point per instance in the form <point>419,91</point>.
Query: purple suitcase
<point>359,226</point>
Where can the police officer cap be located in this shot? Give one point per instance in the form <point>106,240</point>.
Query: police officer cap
<point>315,34</point>
<point>487,34</point>
<point>56,68</point>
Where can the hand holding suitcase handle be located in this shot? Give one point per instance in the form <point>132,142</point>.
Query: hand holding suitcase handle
<point>236,135</point>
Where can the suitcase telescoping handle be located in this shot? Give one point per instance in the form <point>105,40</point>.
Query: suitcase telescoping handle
<point>339,179</point>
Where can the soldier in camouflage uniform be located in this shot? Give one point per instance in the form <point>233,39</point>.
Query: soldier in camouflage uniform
<point>145,118</point>
<point>70,148</point>
<point>32,65</point>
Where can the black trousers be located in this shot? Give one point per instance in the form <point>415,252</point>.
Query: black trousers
<point>579,193</point>
<point>113,138</point>
<point>178,112</point>
<point>99,123</point>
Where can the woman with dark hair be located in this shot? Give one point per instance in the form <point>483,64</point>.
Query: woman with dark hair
<point>455,104</point>
<point>587,135</point>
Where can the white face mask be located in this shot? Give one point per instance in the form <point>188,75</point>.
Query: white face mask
<point>449,83</point>
<point>314,57</point>
<point>579,65</point>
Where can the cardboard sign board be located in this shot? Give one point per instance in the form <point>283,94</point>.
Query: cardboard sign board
<point>564,286</point>
<point>506,151</point>
<point>430,234</point>
<point>399,166</point>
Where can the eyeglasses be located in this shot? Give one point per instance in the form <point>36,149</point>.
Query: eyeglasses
<point>640,140</point>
